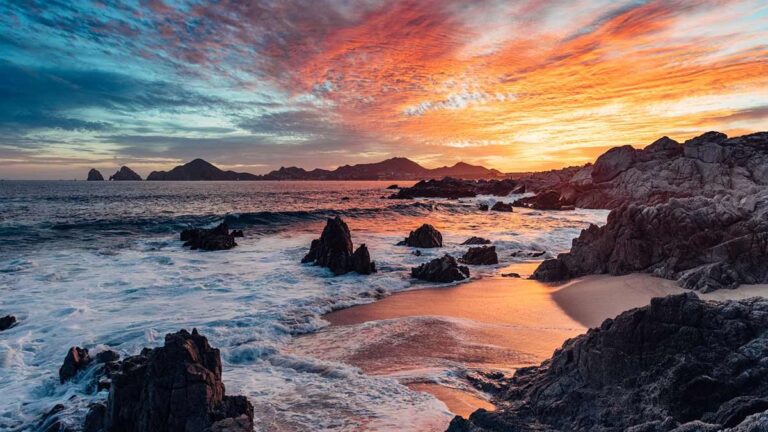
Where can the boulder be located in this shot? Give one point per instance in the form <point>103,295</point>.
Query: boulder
<point>76,360</point>
<point>444,269</point>
<point>502,207</point>
<point>95,175</point>
<point>125,174</point>
<point>426,236</point>
<point>679,363</point>
<point>476,241</point>
<point>612,163</point>
<point>7,322</point>
<point>483,255</point>
<point>482,207</point>
<point>218,238</point>
<point>334,250</point>
<point>547,200</point>
<point>176,387</point>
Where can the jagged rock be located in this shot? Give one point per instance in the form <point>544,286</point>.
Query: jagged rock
<point>476,241</point>
<point>125,173</point>
<point>212,239</point>
<point>444,269</point>
<point>454,188</point>
<point>95,175</point>
<point>334,250</point>
<point>502,207</point>
<point>483,255</point>
<point>107,356</point>
<point>703,243</point>
<point>426,236</point>
<point>76,360</point>
<point>7,322</point>
<point>547,200</point>
<point>679,364</point>
<point>176,387</point>
<point>94,420</point>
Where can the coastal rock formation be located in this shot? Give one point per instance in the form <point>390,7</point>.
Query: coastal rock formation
<point>95,175</point>
<point>476,241</point>
<point>426,236</point>
<point>176,387</point>
<point>334,250</point>
<point>198,170</point>
<point>502,207</point>
<point>212,239</point>
<point>704,243</point>
<point>547,200</point>
<point>454,188</point>
<point>444,269</point>
<point>678,364</point>
<point>125,174</point>
<point>482,255</point>
<point>76,360</point>
<point>7,322</point>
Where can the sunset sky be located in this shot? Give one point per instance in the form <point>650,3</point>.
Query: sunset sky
<point>253,85</point>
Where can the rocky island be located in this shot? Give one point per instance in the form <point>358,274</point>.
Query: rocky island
<point>125,174</point>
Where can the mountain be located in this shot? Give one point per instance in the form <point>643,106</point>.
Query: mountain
<point>125,173</point>
<point>95,175</point>
<point>466,171</point>
<point>199,169</point>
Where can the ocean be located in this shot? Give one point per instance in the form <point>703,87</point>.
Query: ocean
<point>99,264</point>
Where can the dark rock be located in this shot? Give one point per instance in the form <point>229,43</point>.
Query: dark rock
<point>334,250</point>
<point>95,175</point>
<point>51,421</point>
<point>476,241</point>
<point>94,420</point>
<point>125,174</point>
<point>426,236</point>
<point>416,252</point>
<point>527,254</point>
<point>76,360</point>
<point>483,255</point>
<point>393,187</point>
<point>237,233</point>
<point>548,200</point>
<point>680,363</point>
<point>482,207</point>
<point>107,356</point>
<point>444,269</point>
<point>704,244</point>
<point>502,207</point>
<point>511,275</point>
<point>612,163</point>
<point>212,239</point>
<point>453,188</point>
<point>198,170</point>
<point>7,322</point>
<point>176,387</point>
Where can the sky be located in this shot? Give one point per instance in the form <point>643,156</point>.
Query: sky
<point>255,85</point>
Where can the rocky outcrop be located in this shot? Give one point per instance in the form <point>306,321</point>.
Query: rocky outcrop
<point>679,364</point>
<point>444,269</point>
<point>483,255</point>
<point>454,188</point>
<point>125,174</point>
<point>176,387</point>
<point>476,241</point>
<point>704,243</point>
<point>547,200</point>
<point>502,207</point>
<point>425,236</point>
<point>334,250</point>
<point>198,170</point>
<point>76,360</point>
<point>212,239</point>
<point>7,322</point>
<point>95,175</point>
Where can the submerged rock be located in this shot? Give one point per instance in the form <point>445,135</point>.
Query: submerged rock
<point>176,387</point>
<point>483,255</point>
<point>125,173</point>
<point>444,269</point>
<point>7,322</point>
<point>482,207</point>
<point>548,200</point>
<point>95,175</point>
<point>76,360</point>
<point>393,187</point>
<point>218,238</point>
<point>678,363</point>
<point>502,207</point>
<point>334,250</point>
<point>426,236</point>
<point>476,241</point>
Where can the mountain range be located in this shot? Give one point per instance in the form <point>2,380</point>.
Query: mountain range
<point>397,168</point>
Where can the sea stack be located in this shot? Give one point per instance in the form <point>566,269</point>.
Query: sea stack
<point>125,174</point>
<point>334,250</point>
<point>426,236</point>
<point>95,175</point>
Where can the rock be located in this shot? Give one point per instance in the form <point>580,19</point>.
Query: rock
<point>527,254</point>
<point>95,175</point>
<point>393,187</point>
<point>334,250</point>
<point>426,236</point>
<point>612,163</point>
<point>547,200</point>
<point>483,255</point>
<point>482,207</point>
<point>680,363</point>
<point>212,239</point>
<point>237,233</point>
<point>476,241</point>
<point>7,322</point>
<point>51,421</point>
<point>416,252</point>
<point>703,243</point>
<point>453,188</point>
<point>511,275</point>
<point>94,420</point>
<point>197,170</point>
<point>502,207</point>
<point>125,174</point>
<point>176,387</point>
<point>76,360</point>
<point>444,269</point>
<point>107,356</point>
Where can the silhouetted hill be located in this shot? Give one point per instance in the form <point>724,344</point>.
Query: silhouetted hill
<point>199,169</point>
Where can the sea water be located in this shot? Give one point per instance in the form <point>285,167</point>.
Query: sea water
<point>99,265</point>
